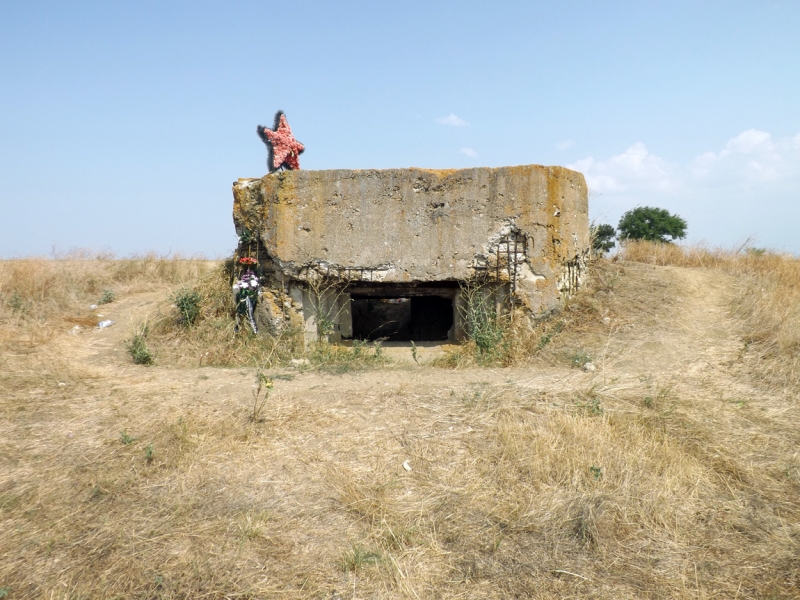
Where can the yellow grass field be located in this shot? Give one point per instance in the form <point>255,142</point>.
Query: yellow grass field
<point>643,443</point>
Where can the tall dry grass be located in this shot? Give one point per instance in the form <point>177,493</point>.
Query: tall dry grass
<point>36,291</point>
<point>768,295</point>
<point>213,340</point>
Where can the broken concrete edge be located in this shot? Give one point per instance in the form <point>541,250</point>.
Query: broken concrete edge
<point>522,232</point>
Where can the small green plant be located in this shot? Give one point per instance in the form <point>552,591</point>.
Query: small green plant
<point>107,297</point>
<point>589,403</point>
<point>478,397</point>
<point>188,304</point>
<point>595,407</point>
<point>149,453</point>
<point>17,303</point>
<point>358,557</point>
<point>327,302</point>
<point>414,353</point>
<point>597,472</point>
<point>265,384</point>
<point>4,591</point>
<point>661,394</point>
<point>325,326</point>
<point>580,359</point>
<point>137,348</point>
<point>544,340</point>
<point>399,538</point>
<point>334,358</point>
<point>125,438</point>
<point>481,318</point>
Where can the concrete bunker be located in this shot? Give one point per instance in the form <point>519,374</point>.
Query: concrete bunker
<point>387,254</point>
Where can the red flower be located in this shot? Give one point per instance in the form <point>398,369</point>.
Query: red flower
<point>247,260</point>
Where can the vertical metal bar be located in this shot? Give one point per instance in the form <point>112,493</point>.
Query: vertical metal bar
<point>514,280</point>
<point>508,258</point>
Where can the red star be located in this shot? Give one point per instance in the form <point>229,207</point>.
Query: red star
<point>284,149</point>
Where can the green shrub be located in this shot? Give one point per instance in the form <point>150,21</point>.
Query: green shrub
<point>188,304</point>
<point>107,297</point>
<point>137,348</point>
<point>483,326</point>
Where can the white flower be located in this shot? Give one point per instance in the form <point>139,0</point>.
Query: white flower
<point>236,287</point>
<point>254,283</point>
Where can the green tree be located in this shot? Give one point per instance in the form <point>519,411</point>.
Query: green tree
<point>654,224</point>
<point>602,237</point>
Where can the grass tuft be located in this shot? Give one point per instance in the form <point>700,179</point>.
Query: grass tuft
<point>138,350</point>
<point>187,302</point>
<point>358,558</point>
<point>107,297</point>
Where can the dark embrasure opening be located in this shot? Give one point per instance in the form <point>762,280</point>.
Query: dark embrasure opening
<point>418,318</point>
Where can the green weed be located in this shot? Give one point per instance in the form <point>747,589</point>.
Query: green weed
<point>580,358</point>
<point>263,384</point>
<point>483,326</point>
<point>414,353</point>
<point>341,359</point>
<point>107,297</point>
<point>138,350</point>
<point>358,557</point>
<point>589,403</point>
<point>188,304</point>
<point>18,304</point>
<point>125,438</point>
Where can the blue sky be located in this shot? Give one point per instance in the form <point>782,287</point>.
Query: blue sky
<point>123,124</point>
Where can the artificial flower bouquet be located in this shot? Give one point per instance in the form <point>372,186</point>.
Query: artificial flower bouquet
<point>246,290</point>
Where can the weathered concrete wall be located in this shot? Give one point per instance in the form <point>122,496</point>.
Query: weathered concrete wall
<point>521,225</point>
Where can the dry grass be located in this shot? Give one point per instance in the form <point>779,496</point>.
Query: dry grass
<point>767,299</point>
<point>35,293</point>
<point>671,472</point>
<point>213,340</point>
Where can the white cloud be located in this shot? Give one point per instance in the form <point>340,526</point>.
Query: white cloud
<point>452,120</point>
<point>749,187</point>
<point>750,157</point>
<point>565,145</point>
<point>749,141</point>
<point>469,152</point>
<point>634,169</point>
